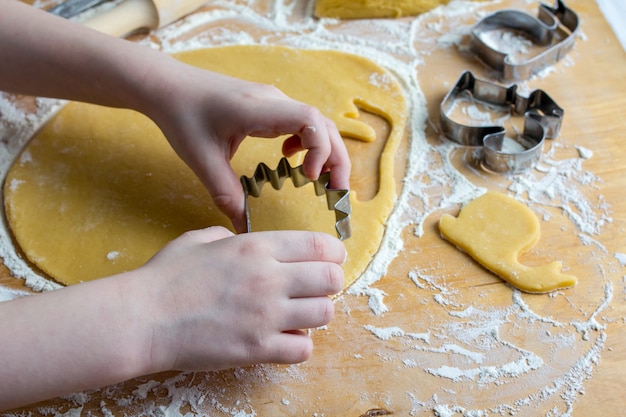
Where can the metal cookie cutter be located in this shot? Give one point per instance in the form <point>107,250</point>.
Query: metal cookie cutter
<point>542,118</point>
<point>337,200</point>
<point>71,8</point>
<point>543,30</point>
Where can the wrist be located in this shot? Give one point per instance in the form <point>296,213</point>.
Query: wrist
<point>152,85</point>
<point>149,303</point>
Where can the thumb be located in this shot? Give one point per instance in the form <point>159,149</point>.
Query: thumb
<point>226,191</point>
<point>213,233</point>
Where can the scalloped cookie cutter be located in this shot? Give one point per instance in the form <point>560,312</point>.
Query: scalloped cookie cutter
<point>542,30</point>
<point>542,119</point>
<point>337,200</point>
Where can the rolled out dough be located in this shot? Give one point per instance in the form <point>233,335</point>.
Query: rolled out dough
<point>361,9</point>
<point>98,190</point>
<point>495,229</point>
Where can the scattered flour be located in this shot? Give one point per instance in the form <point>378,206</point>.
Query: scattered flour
<point>386,333</point>
<point>621,257</point>
<point>111,256</point>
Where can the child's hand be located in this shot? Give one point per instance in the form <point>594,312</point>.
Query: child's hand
<point>206,116</point>
<point>224,300</point>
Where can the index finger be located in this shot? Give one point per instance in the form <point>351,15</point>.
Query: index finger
<point>338,162</point>
<point>225,189</point>
<point>326,151</point>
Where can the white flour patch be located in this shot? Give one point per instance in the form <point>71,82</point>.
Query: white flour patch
<point>113,255</point>
<point>386,333</point>
<point>621,257</point>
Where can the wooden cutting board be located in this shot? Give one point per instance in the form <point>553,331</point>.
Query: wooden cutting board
<point>445,315</point>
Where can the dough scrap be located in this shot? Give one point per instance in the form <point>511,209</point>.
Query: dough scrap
<point>495,229</point>
<point>363,9</point>
<point>98,190</point>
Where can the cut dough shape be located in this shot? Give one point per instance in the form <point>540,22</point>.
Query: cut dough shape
<point>363,9</point>
<point>98,190</point>
<point>495,229</point>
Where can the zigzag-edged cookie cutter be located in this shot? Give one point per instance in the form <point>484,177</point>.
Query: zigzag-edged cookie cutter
<point>542,119</point>
<point>541,30</point>
<point>337,200</point>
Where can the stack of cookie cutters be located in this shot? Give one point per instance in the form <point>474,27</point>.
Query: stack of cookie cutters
<point>337,200</point>
<point>554,28</point>
<point>542,119</point>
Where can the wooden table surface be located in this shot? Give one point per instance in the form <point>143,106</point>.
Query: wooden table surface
<point>454,339</point>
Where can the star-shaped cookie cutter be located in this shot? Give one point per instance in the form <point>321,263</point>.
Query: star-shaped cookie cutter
<point>337,200</point>
<point>542,119</point>
<point>543,30</point>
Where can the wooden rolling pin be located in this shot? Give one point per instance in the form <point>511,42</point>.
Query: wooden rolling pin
<point>131,16</point>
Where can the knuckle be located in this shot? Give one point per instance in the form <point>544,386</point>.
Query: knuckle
<point>303,353</point>
<point>327,311</point>
<point>255,283</point>
<point>192,235</point>
<point>263,90</point>
<point>251,249</point>
<point>334,279</point>
<point>216,231</point>
<point>310,113</point>
<point>260,288</point>
<point>317,245</point>
<point>310,118</point>
<point>225,202</point>
<point>256,348</point>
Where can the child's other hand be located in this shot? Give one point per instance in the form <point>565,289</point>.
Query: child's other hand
<point>224,300</point>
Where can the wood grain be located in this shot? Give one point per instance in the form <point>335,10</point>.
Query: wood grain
<point>353,372</point>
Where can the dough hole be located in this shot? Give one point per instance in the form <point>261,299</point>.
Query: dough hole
<point>365,169</point>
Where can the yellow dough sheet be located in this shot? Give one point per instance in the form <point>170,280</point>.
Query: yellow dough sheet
<point>99,190</point>
<point>361,9</point>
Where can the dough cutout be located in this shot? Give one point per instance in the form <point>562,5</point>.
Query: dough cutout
<point>363,9</point>
<point>99,190</point>
<point>495,229</point>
